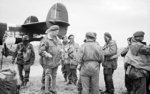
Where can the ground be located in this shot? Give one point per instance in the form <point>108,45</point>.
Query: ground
<point>34,85</point>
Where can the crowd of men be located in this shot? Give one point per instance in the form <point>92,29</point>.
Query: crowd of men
<point>87,58</point>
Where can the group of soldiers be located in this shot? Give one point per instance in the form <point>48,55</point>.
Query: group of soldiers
<point>87,58</point>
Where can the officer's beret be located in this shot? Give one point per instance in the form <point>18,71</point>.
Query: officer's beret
<point>25,37</point>
<point>139,34</point>
<point>91,35</point>
<point>52,28</point>
<point>108,35</point>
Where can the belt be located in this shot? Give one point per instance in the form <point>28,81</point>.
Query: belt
<point>91,61</point>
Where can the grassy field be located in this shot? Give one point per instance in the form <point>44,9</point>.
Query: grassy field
<point>34,85</point>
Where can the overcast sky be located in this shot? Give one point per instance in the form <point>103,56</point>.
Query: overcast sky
<point>119,17</point>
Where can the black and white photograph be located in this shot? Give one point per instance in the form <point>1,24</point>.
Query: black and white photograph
<point>74,46</point>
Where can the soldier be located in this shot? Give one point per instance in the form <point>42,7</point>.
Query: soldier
<point>79,84</point>
<point>138,60</point>
<point>110,49</point>
<point>128,81</point>
<point>50,50</point>
<point>24,53</point>
<point>73,48</point>
<point>90,55</point>
<point>65,58</point>
<point>41,60</point>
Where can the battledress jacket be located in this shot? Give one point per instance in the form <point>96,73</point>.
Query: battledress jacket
<point>138,56</point>
<point>90,55</point>
<point>53,47</point>
<point>24,54</point>
<point>110,49</point>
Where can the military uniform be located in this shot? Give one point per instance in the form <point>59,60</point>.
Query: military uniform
<point>128,81</point>
<point>65,60</point>
<point>79,85</point>
<point>25,58</point>
<point>138,59</point>
<point>72,51</point>
<point>110,49</point>
<point>90,56</point>
<point>41,61</point>
<point>50,50</point>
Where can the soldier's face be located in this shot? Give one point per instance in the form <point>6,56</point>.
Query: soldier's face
<point>55,33</point>
<point>140,39</point>
<point>71,38</point>
<point>106,39</point>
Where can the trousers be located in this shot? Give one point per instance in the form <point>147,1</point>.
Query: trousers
<point>139,86</point>
<point>72,77</point>
<point>50,79</point>
<point>108,78</point>
<point>26,68</point>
